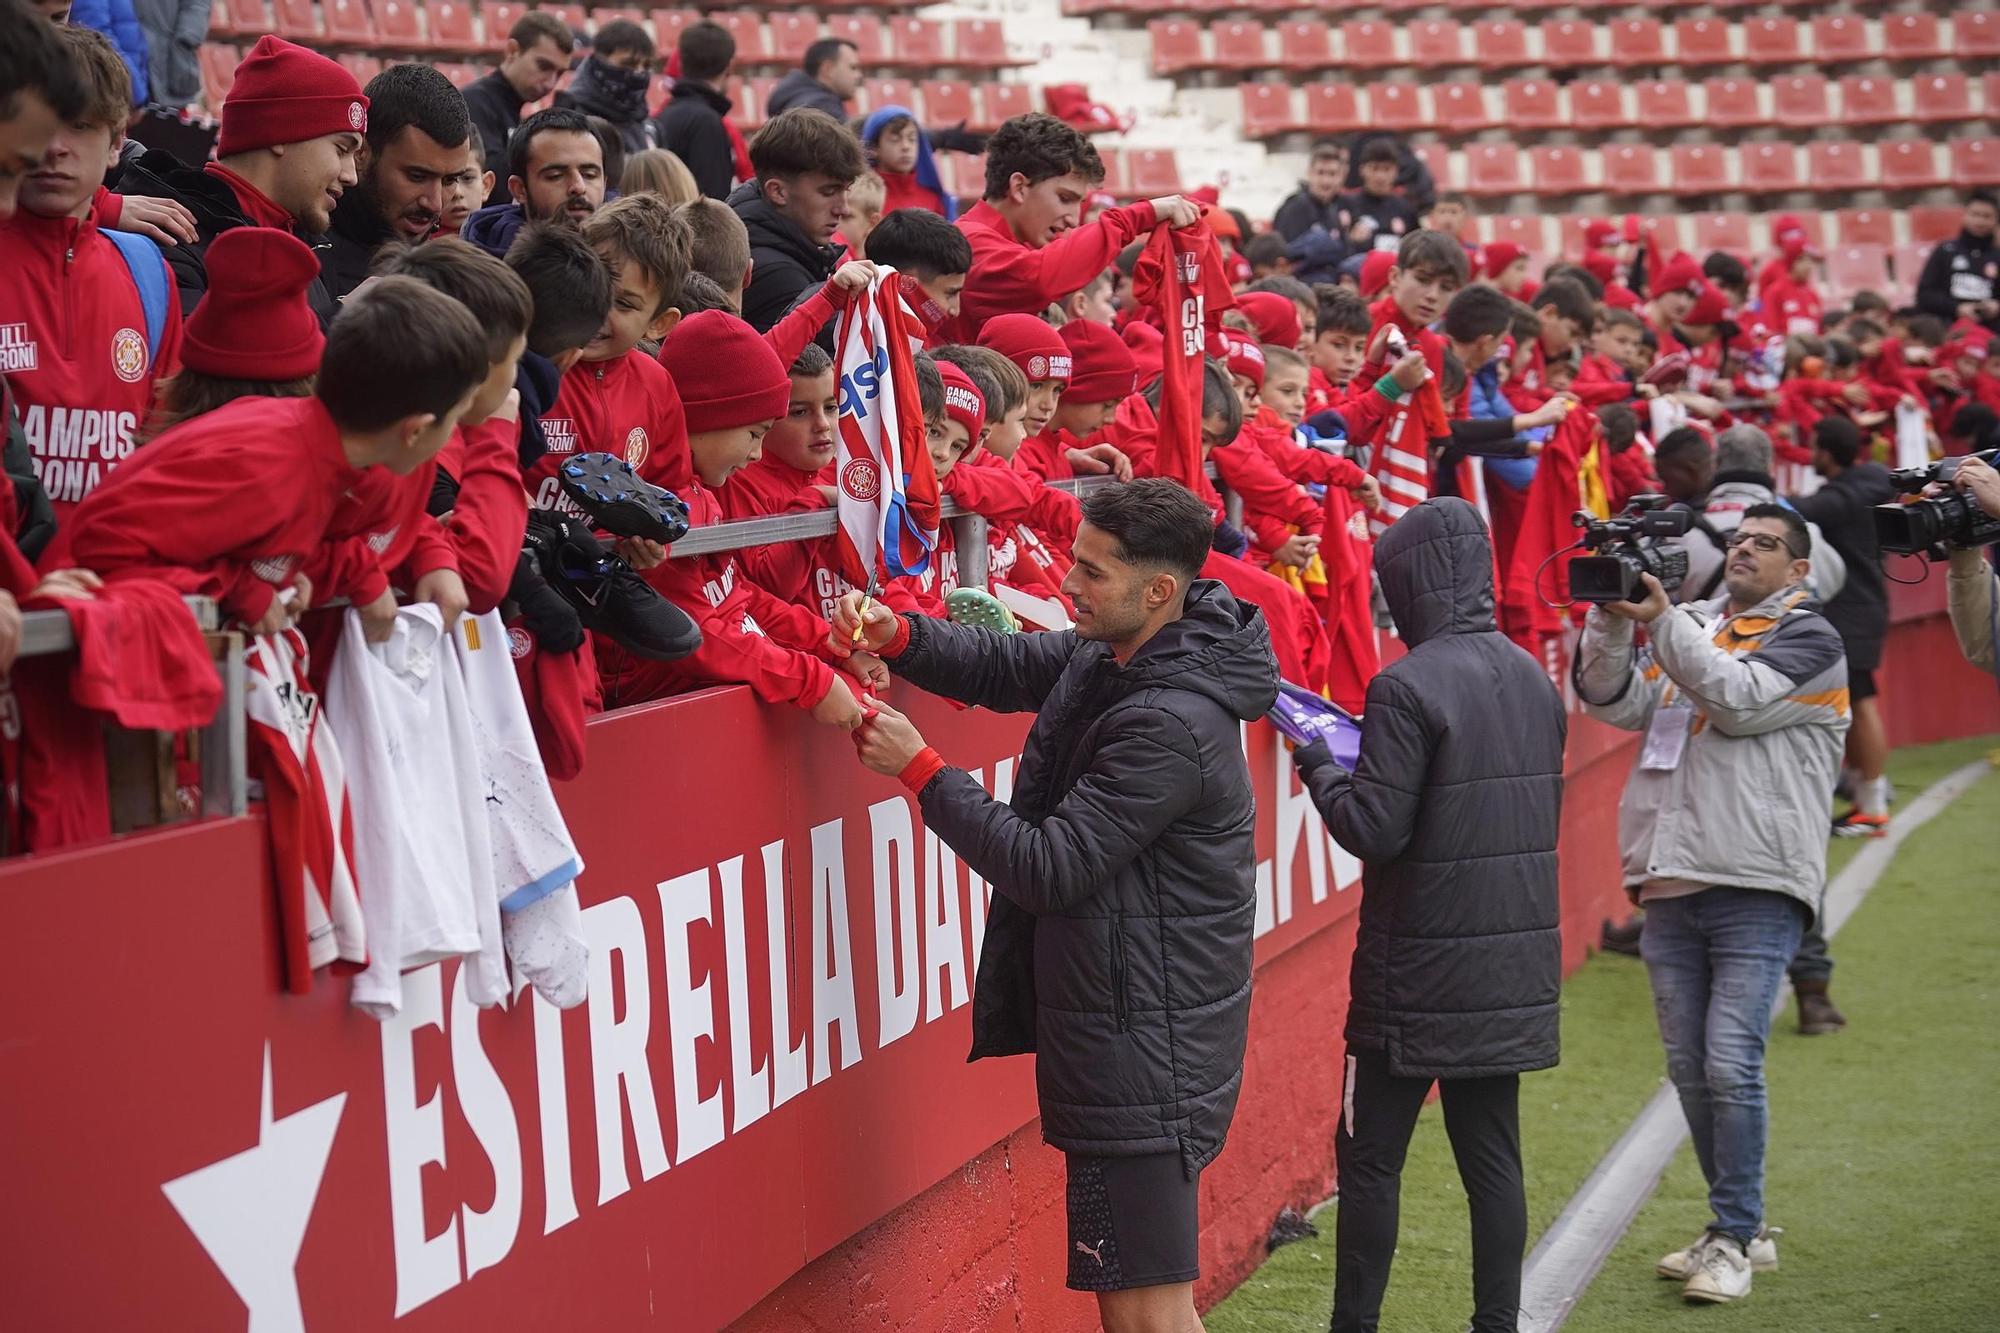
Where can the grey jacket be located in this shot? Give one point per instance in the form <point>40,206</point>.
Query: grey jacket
<point>1747,803</point>
<point>1969,588</point>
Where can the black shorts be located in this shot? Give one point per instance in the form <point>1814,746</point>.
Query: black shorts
<point>1860,683</point>
<point>1133,1222</point>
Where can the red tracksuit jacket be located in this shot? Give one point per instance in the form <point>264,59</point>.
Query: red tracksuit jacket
<point>73,347</point>
<point>491,511</point>
<point>1009,278</point>
<point>626,406</point>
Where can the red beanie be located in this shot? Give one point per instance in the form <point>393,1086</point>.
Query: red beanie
<point>727,375</point>
<point>1785,227</point>
<point>962,400</point>
<point>286,94</point>
<point>1599,232</point>
<point>1679,274</point>
<point>1103,370</point>
<point>1601,264</point>
<point>1030,344</point>
<point>1276,317</point>
<point>1497,256</point>
<point>1244,358</point>
<point>1710,307</point>
<point>254,323</point>
<point>1149,350</point>
<point>1375,273</point>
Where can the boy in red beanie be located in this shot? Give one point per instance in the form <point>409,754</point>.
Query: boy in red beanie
<point>733,390</point>
<point>93,316</point>
<point>1791,303</point>
<point>1674,289</point>
<point>292,128</point>
<point>1028,249</point>
<point>1043,357</point>
<point>1276,317</point>
<point>1101,375</point>
<point>1505,265</point>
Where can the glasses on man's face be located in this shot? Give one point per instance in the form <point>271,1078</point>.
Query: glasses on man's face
<point>1762,542</point>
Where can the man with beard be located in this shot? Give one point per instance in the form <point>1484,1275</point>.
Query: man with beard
<point>415,143</point>
<point>804,161</point>
<point>555,171</point>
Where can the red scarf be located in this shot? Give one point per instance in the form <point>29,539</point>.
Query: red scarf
<point>1180,275</point>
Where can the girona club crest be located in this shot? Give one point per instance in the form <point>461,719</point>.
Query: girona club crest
<point>862,480</point>
<point>637,447</point>
<point>128,355</point>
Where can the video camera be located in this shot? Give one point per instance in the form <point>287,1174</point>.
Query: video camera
<point>1930,526</point>
<point>1626,547</point>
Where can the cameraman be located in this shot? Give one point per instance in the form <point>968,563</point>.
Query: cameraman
<point>1970,584</point>
<point>1744,704</point>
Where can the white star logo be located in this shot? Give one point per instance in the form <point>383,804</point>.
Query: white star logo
<point>250,1211</point>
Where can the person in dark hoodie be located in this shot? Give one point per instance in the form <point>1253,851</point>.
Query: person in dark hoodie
<point>804,161</point>
<point>555,172</point>
<point>826,80</point>
<point>1453,808</point>
<point>416,142</point>
<point>537,52</point>
<point>691,126</point>
<point>1117,948</point>
<point>1961,277</point>
<point>612,80</point>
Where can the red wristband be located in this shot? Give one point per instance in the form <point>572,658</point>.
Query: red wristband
<point>896,645</point>
<point>917,774</point>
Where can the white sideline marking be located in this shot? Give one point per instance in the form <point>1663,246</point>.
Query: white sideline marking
<point>1568,1256</point>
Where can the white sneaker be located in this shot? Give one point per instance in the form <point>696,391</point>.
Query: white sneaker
<point>1724,1274</point>
<point>1681,1264</point>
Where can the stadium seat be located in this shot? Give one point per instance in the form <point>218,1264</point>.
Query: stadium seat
<point>888,92</point>
<point>1663,233</point>
<point>296,20</point>
<point>1867,226</point>
<point>791,33</point>
<point>222,20</point>
<point>348,23</point>
<point>1305,44</point>
<point>1722,231</point>
<point>1703,41</point>
<point>1333,108</point>
<point>1001,102</point>
<point>751,97</point>
<point>865,31</point>
<point>1701,168</point>
<point>919,43</point>
<point>1906,264</point>
<point>1492,168</point>
<point>1437,43</point>
<point>1975,162</point>
<point>1500,44</point>
<point>1630,168</point>
<point>1840,38</point>
<point>1849,268</point>
<point>1665,104</point>
<point>1931,223</point>
<point>1114,172</point>
<point>1598,104</point>
<point>497,19</point>
<point>1908,164</point>
<point>1635,42</point>
<point>218,72</point>
<point>1152,172</point>
<point>1989,88</point>
<point>1941,97</point>
<point>1799,101</point>
<point>1396,106</point>
<point>1569,42</point>
<point>1239,45</point>
<point>1975,34</point>
<point>400,25</point>
<point>753,41</point>
<point>1729,103</point>
<point>1835,166</point>
<point>1267,110</point>
<point>947,102</point>
<point>453,26</point>
<point>1460,108</point>
<point>1436,159</point>
<point>1535,104</point>
<point>362,65</point>
<point>1176,46</point>
<point>1771,40</point>
<point>1529,232</point>
<point>1368,44</point>
<point>1768,168</point>
<point>659,88</point>
<point>572,15</point>
<point>964,176</point>
<point>1559,169</point>
<point>1868,99</point>
<point>980,44</point>
<point>1912,35</point>
<point>600,17</point>
<point>1814,226</point>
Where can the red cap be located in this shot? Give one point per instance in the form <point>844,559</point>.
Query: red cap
<point>1796,246</point>
<point>1971,345</point>
<point>1600,231</point>
<point>1679,274</point>
<point>1276,317</point>
<point>1244,358</point>
<point>727,375</point>
<point>286,94</point>
<point>1375,273</point>
<point>1710,307</point>
<point>1221,222</point>
<point>1601,264</point>
<point>1149,349</point>
<point>254,323</point>
<point>1103,370</point>
<point>1495,258</point>
<point>962,400</point>
<point>1030,344</point>
<point>1785,228</point>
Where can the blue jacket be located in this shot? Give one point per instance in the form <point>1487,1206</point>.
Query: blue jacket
<point>117,20</point>
<point>1485,402</point>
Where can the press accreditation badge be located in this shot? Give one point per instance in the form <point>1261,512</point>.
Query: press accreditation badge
<point>1667,738</point>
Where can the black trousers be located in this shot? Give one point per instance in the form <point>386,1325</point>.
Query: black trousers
<point>1482,1118</point>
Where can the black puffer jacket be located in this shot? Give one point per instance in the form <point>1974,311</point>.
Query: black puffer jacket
<point>1117,948</point>
<point>784,261</point>
<point>1454,810</point>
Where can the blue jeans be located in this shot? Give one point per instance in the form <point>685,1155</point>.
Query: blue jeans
<point>1716,959</point>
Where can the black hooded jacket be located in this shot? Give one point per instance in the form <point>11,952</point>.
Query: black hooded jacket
<point>358,232</point>
<point>1453,809</point>
<point>1117,947</point>
<point>161,175</point>
<point>783,259</point>
<point>691,128</point>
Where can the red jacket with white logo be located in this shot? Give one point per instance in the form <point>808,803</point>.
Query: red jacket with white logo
<point>491,511</point>
<point>626,406</point>
<point>1009,277</point>
<point>73,347</point>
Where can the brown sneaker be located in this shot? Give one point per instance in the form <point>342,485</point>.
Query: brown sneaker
<point>1817,1014</point>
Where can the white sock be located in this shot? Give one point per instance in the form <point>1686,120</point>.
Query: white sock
<point>1872,796</point>
<point>546,943</point>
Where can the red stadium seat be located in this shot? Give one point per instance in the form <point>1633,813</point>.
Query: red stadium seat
<point>1492,168</point>
<point>1729,103</point>
<point>1369,44</point>
<point>1771,40</point>
<point>454,26</point>
<point>1701,168</point>
<point>1500,44</point>
<point>1662,232</point>
<point>1239,44</point>
<point>1908,164</point>
<point>1906,262</point>
<point>1703,41</point>
<point>1437,42</point>
<point>1930,223</point>
<point>1975,162</point>
<point>1535,104</point>
<point>1840,38</point>
<point>1630,168</point>
<point>1529,232</point>
<point>947,102</point>
<point>1814,226</point>
<point>1769,168</point>
<point>1941,97</point>
<point>1460,108</point>
<point>1436,159</point>
<point>1636,42</point>
<point>980,44</point>
<point>751,97</point>
<point>497,19</point>
<point>1559,169</point>
<point>1176,46</point>
<point>1152,172</point>
<point>1396,106</point>
<point>1569,42</point>
<point>659,88</point>
<point>1835,166</point>
<point>753,41</point>
<point>1001,102</point>
<point>1598,104</point>
<point>1989,88</point>
<point>791,34</point>
<point>1333,108</point>
<point>1665,104</point>
<point>865,31</point>
<point>571,15</point>
<point>1850,268</point>
<point>1975,34</point>
<point>348,23</point>
<point>361,65</point>
<point>876,93</point>
<point>218,72</point>
<point>222,20</point>
<point>1800,101</point>
<point>919,43</point>
<point>1267,110</point>
<point>296,20</point>
<point>400,25</point>
<point>1114,172</point>
<point>1868,99</point>
<point>1912,35</point>
<point>1722,231</point>
<point>1305,44</point>
<point>1869,226</point>
<point>600,17</point>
